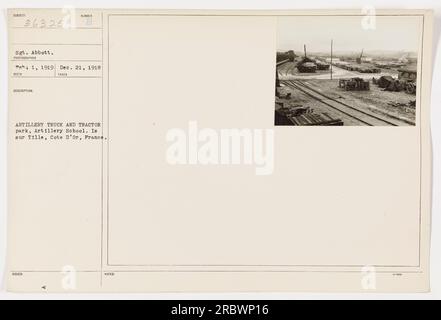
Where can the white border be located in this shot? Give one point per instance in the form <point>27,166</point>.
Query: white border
<point>250,5</point>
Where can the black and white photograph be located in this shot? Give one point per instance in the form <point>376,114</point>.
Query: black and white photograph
<point>165,153</point>
<point>347,70</point>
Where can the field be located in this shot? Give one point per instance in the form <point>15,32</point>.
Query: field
<point>320,94</point>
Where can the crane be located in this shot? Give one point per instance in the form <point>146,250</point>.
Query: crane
<point>360,57</point>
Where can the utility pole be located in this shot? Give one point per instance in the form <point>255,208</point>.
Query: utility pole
<point>304,48</point>
<point>332,44</point>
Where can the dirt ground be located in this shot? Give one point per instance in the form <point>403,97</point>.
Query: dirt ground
<point>298,98</point>
<point>376,100</point>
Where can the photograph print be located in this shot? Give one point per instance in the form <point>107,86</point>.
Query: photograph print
<point>342,71</point>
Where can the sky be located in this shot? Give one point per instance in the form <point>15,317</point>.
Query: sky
<point>391,34</point>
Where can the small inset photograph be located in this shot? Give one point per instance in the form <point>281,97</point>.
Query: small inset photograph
<point>347,70</point>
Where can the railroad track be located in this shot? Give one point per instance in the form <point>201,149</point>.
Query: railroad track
<point>362,116</point>
<point>285,70</point>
